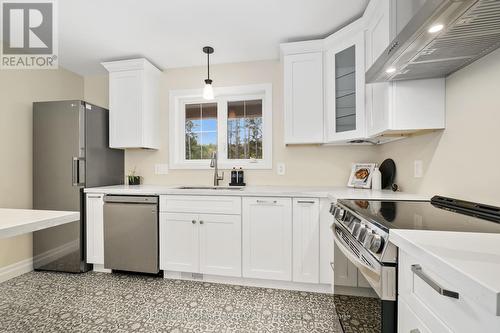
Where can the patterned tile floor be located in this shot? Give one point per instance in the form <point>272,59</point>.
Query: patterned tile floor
<point>97,302</point>
<point>358,314</point>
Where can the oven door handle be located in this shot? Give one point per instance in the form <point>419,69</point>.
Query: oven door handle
<point>352,257</point>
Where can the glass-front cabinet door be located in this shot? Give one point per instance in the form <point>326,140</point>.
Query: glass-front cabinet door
<point>345,85</point>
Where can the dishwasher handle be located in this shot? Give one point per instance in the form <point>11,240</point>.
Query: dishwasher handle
<point>128,199</point>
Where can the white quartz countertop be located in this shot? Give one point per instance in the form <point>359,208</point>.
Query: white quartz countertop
<point>333,193</point>
<point>472,260</point>
<point>15,222</point>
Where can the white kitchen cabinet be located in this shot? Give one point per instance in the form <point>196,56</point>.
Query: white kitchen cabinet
<point>345,273</point>
<point>345,84</point>
<point>418,282</point>
<point>326,243</point>
<point>220,244</point>
<point>94,228</point>
<point>306,240</point>
<point>179,242</point>
<point>267,238</point>
<point>134,111</point>
<point>201,243</point>
<point>303,84</point>
<point>409,322</point>
<point>398,107</point>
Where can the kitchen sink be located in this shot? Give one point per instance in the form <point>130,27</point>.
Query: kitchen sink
<point>210,188</point>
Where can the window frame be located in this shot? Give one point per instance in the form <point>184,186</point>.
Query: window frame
<point>177,118</point>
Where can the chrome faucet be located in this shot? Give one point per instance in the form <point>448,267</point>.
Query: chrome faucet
<point>213,164</point>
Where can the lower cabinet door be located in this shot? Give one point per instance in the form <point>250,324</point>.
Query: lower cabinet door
<point>306,240</point>
<point>179,242</point>
<point>95,229</point>
<point>220,244</point>
<point>267,238</point>
<point>345,273</point>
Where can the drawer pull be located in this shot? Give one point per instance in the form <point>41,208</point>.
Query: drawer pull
<point>94,196</point>
<point>272,202</point>
<point>415,330</point>
<point>305,201</point>
<point>417,269</point>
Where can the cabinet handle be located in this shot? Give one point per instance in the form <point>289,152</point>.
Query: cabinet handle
<point>193,221</point>
<point>93,196</point>
<point>415,330</point>
<point>417,269</point>
<point>332,265</point>
<point>267,201</point>
<point>306,201</point>
<point>201,222</point>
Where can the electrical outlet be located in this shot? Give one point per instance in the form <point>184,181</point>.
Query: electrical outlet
<point>161,169</point>
<point>280,169</point>
<point>418,171</point>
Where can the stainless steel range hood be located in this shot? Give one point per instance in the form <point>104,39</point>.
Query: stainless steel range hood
<point>471,29</point>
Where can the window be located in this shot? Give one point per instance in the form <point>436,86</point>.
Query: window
<point>201,130</point>
<point>236,124</point>
<point>244,129</point>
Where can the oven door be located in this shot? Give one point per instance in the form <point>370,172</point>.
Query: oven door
<point>382,278</point>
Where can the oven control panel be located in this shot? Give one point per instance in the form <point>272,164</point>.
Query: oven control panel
<point>362,231</point>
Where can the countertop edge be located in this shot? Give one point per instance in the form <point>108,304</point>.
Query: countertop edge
<point>333,193</point>
<point>43,223</point>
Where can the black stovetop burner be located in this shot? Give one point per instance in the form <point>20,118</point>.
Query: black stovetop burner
<point>441,213</point>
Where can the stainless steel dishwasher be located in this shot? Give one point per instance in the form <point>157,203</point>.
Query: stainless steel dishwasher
<point>131,233</point>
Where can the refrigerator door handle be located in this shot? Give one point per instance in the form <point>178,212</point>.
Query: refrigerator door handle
<point>75,171</point>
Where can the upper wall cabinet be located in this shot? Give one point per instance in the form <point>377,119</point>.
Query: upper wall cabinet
<point>303,84</point>
<point>398,107</point>
<point>134,111</point>
<point>326,97</point>
<point>345,84</point>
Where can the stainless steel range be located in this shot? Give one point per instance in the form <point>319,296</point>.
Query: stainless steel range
<point>361,230</point>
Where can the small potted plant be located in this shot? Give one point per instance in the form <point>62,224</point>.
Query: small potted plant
<point>133,179</point>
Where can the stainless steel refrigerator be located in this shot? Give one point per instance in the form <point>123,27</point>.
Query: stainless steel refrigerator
<point>70,152</point>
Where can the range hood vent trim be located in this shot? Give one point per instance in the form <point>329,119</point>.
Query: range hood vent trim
<point>471,30</point>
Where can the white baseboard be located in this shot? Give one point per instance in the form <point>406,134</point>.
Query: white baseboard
<point>355,291</point>
<point>16,269</point>
<point>100,268</point>
<point>56,253</point>
<point>261,283</point>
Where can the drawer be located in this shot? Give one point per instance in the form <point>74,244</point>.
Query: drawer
<point>200,204</point>
<point>408,322</point>
<point>450,314</point>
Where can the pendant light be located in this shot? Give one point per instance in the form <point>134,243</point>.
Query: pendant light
<point>208,91</point>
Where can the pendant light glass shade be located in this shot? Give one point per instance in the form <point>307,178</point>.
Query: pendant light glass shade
<point>208,91</point>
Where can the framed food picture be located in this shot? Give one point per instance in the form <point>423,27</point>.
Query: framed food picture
<point>361,175</point>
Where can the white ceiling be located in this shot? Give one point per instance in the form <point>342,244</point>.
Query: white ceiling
<point>171,33</point>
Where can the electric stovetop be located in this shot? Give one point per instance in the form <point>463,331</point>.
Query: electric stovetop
<point>441,213</point>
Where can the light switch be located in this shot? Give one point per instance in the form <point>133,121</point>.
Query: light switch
<point>280,169</point>
<point>161,169</point>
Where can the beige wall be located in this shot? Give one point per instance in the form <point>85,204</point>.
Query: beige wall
<point>305,165</point>
<point>18,89</point>
<point>463,160</point>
